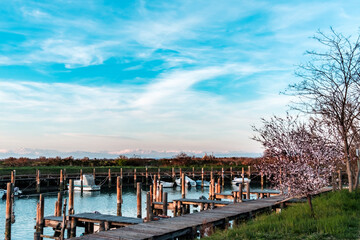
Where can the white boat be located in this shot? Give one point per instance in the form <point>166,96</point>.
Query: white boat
<point>88,184</point>
<point>17,192</point>
<point>188,181</point>
<point>237,180</point>
<point>206,183</point>
<point>167,184</point>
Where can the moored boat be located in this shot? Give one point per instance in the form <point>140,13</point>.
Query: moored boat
<point>237,180</point>
<point>167,184</point>
<point>188,181</point>
<point>199,182</point>
<point>88,184</point>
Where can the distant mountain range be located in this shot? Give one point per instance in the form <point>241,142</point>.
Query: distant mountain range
<point>35,153</point>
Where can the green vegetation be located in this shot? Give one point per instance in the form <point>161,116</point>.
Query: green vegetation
<point>337,216</point>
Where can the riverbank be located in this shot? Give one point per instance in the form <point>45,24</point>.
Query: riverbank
<point>337,216</point>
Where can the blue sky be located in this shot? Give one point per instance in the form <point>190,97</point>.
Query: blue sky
<point>151,77</point>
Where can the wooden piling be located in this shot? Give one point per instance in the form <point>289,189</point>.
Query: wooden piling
<point>231,173</point>
<point>262,181</point>
<point>180,173</point>
<point>8,211</point>
<point>13,173</point>
<point>38,181</point>
<point>242,175</point>
<point>193,172</point>
<point>59,204</point>
<point>160,193</point>
<point>146,175</point>
<point>148,207</point>
<point>71,197</point>
<point>138,199</point>
<point>183,185</point>
<point>109,177</point>
<point>81,182</point>
<point>159,176</point>
<point>164,201</point>
<point>173,174</point>
<point>94,174</point>
<point>222,177</point>
<point>121,174</point>
<point>202,177</point>
<point>218,186</point>
<point>248,190</point>
<point>118,196</point>
<point>63,226</point>
<point>61,187</point>
<point>155,189</point>
<point>135,177</point>
<point>249,172</point>
<point>240,197</point>
<point>40,216</point>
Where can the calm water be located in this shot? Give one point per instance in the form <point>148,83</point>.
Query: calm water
<point>103,202</point>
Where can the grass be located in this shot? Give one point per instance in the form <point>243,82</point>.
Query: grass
<point>337,216</point>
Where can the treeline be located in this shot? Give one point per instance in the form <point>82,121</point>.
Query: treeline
<point>179,160</point>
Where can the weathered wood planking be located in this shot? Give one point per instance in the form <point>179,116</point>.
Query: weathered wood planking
<point>175,227</point>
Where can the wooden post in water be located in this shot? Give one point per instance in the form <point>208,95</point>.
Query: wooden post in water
<point>218,186</point>
<point>146,175</point>
<point>8,211</point>
<point>193,172</point>
<point>202,177</point>
<point>340,180</point>
<point>173,174</point>
<point>180,174</point>
<point>40,216</point>
<point>109,176</point>
<point>240,198</point>
<point>94,175</point>
<point>222,177</point>
<point>138,199</point>
<point>242,175</point>
<point>231,173</point>
<point>159,176</point>
<point>160,193</point>
<point>59,207</point>
<point>38,181</point>
<point>135,177</point>
<point>81,182</point>
<point>248,190</point>
<point>13,173</point>
<point>249,172</point>
<point>61,187</point>
<point>148,207</point>
<point>154,189</point>
<point>118,196</point>
<point>151,192</point>
<point>262,181</point>
<point>121,175</point>
<point>63,226</point>
<point>71,197</point>
<point>183,185</point>
<point>164,200</point>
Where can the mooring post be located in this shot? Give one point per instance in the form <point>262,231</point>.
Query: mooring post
<point>63,225</point>
<point>148,207</point>
<point>61,187</point>
<point>38,181</point>
<point>121,175</point>
<point>71,197</point>
<point>94,175</point>
<point>222,177</point>
<point>193,172</point>
<point>81,182</point>
<point>13,173</point>
<point>180,173</point>
<point>154,189</point>
<point>231,173</point>
<point>146,175</point>
<point>138,199</point>
<point>340,180</point>
<point>240,197</point>
<point>248,190</point>
<point>165,202</point>
<point>40,217</point>
<point>118,196</point>
<point>59,204</point>
<point>242,175</point>
<point>202,177</point>
<point>249,172</point>
<point>262,181</point>
<point>173,174</point>
<point>159,176</point>
<point>160,193</point>
<point>8,211</point>
<point>109,176</point>
<point>183,185</point>
<point>73,223</point>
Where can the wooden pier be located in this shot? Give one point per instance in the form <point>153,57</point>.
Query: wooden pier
<point>190,225</point>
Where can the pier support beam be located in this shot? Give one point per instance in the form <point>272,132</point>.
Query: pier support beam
<point>138,199</point>
<point>8,211</point>
<point>118,196</point>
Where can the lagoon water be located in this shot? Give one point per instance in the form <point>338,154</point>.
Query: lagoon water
<point>103,202</point>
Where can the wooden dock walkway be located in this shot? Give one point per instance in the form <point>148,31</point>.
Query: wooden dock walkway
<point>189,225</point>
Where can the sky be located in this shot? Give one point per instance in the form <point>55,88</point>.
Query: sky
<point>151,78</point>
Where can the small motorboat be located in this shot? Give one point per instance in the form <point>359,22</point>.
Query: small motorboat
<point>17,192</point>
<point>88,184</point>
<point>206,183</point>
<point>188,181</point>
<point>167,184</point>
<point>237,180</point>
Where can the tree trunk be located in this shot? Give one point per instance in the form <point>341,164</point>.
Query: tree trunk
<point>348,165</point>
<point>310,204</point>
<point>356,185</point>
